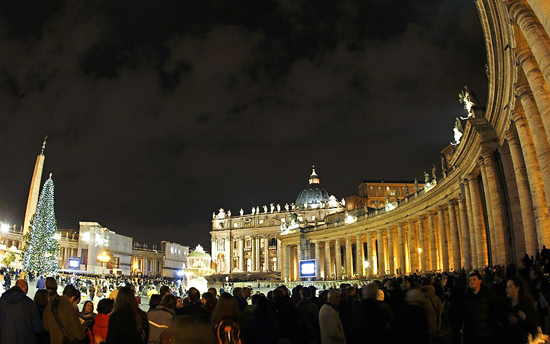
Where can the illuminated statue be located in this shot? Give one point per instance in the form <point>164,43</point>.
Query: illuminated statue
<point>458,131</point>
<point>229,213</point>
<point>415,185</point>
<point>343,202</point>
<point>253,210</point>
<point>466,98</point>
<point>221,214</point>
<point>265,208</point>
<point>287,207</point>
<point>241,212</point>
<point>434,176</point>
<point>293,206</point>
<point>257,210</point>
<point>213,215</point>
<point>407,190</point>
<point>271,208</point>
<point>305,205</point>
<point>443,165</point>
<point>333,202</point>
<point>426,178</point>
<point>278,208</point>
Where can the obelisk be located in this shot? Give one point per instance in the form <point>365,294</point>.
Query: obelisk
<point>35,188</point>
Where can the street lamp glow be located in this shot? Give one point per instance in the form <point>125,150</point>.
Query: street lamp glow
<point>57,236</point>
<point>419,250</point>
<point>104,257</point>
<point>4,227</point>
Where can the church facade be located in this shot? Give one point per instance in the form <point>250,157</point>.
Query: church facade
<point>489,205</point>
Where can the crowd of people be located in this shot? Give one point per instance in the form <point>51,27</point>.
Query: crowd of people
<point>496,305</point>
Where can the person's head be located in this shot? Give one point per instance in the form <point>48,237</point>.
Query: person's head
<point>369,291</point>
<point>51,285</point>
<point>213,291</point>
<point>194,295</point>
<point>516,287</point>
<point>535,272</point>
<point>238,292</point>
<point>306,293</point>
<point>164,290</point>
<point>414,296</point>
<point>179,302</point>
<point>208,300</point>
<point>226,308</point>
<point>246,293</point>
<point>21,283</point>
<point>405,286</point>
<point>154,301</point>
<point>41,297</point>
<point>88,307</point>
<point>278,295</point>
<point>71,293</point>
<point>105,306</point>
<point>77,298</point>
<point>168,301</point>
<point>126,303</point>
<point>334,297</point>
<point>475,281</point>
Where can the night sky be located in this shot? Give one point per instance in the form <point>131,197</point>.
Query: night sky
<point>160,112</point>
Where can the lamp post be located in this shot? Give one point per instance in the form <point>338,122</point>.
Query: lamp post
<point>103,258</point>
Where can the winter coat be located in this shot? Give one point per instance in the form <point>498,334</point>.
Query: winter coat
<point>331,326</point>
<point>68,316</point>
<point>123,329</point>
<point>310,314</point>
<point>19,318</point>
<point>160,320</point>
<point>433,308</point>
<point>478,315</point>
<point>101,327</point>
<point>372,317</point>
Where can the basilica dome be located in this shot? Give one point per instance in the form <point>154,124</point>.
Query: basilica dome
<point>314,195</point>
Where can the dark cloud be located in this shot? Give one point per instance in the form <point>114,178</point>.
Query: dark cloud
<point>160,113</point>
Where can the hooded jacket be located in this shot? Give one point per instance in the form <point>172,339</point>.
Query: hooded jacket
<point>433,307</point>
<point>19,318</point>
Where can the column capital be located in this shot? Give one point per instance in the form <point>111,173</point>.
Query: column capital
<point>522,89</point>
<point>511,135</point>
<point>523,54</point>
<point>519,11</point>
<point>453,201</point>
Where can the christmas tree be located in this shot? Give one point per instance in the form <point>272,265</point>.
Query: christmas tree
<point>41,249</point>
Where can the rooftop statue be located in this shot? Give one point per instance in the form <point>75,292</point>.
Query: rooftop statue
<point>287,207</point>
<point>257,210</point>
<point>443,164</point>
<point>416,184</point>
<point>458,132</point>
<point>407,190</point>
<point>265,208</point>
<point>271,208</point>
<point>466,98</point>
<point>426,178</point>
<point>434,176</point>
<point>278,208</point>
<point>333,202</point>
<point>221,214</point>
<point>343,202</point>
<point>241,212</point>
<point>253,210</point>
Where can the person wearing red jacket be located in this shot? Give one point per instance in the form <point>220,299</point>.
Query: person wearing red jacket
<point>101,322</point>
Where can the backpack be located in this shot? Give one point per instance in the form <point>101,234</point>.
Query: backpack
<point>228,332</point>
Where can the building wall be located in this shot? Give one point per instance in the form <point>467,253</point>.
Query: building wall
<point>175,257</point>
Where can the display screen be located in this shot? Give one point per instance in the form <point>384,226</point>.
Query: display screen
<point>74,263</point>
<point>308,268</point>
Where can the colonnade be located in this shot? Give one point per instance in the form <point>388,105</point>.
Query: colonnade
<point>251,253</point>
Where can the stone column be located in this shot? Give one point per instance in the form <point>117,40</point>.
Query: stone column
<point>258,253</point>
<point>279,255</point>
<point>241,254</point>
<point>370,254</point>
<point>412,247</point>
<point>533,166</point>
<point>444,241</point>
<point>471,227</point>
<point>489,207</point>
<point>391,257</point>
<point>401,248</point>
<point>433,242</point>
<point>328,261</point>
<point>359,256</point>
<point>542,11</point>
<point>349,258</point>
<point>381,254</point>
<point>464,228</point>
<point>422,242</point>
<point>479,224</point>
<point>318,259</point>
<point>534,34</point>
<point>457,261</point>
<point>537,120</point>
<point>338,254</point>
<point>228,255</point>
<point>525,197</point>
<point>266,253</point>
<point>285,270</point>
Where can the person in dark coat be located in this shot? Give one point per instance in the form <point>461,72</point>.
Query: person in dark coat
<point>262,326</point>
<point>411,324</point>
<point>195,307</point>
<point>520,318</point>
<point>370,316</point>
<point>19,317</point>
<point>127,324</point>
<point>478,312</point>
